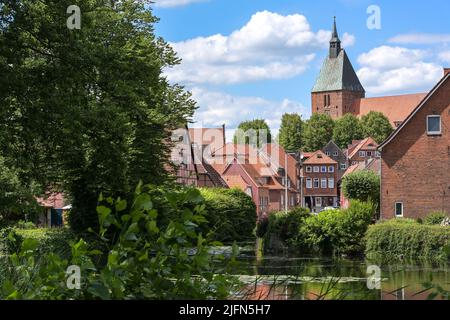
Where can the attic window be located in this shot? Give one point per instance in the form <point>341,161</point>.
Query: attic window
<point>434,125</point>
<point>319,156</point>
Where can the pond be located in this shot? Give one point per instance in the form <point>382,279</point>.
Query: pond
<point>277,277</point>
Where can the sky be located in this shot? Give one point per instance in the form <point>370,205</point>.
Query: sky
<point>259,59</point>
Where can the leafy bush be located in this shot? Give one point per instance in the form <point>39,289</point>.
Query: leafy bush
<point>338,231</point>
<point>10,241</point>
<point>231,215</point>
<point>25,225</point>
<point>147,260</point>
<point>393,240</point>
<point>362,185</point>
<point>283,229</point>
<point>435,218</point>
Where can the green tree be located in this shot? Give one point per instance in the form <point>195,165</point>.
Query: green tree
<point>87,109</point>
<point>362,185</point>
<point>377,126</point>
<point>254,132</point>
<point>347,129</point>
<point>290,136</point>
<point>318,132</point>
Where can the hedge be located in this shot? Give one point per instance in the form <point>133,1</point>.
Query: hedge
<point>396,239</point>
<point>231,214</point>
<point>50,240</point>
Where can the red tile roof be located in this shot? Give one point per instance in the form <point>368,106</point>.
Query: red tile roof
<point>319,157</point>
<point>366,144</point>
<point>53,200</point>
<point>213,137</point>
<point>395,108</point>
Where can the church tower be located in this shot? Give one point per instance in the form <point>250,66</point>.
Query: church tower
<point>337,90</point>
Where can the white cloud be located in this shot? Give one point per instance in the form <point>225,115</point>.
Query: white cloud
<point>420,38</point>
<point>269,46</point>
<point>445,56</point>
<point>217,108</point>
<point>392,70</point>
<point>174,3</point>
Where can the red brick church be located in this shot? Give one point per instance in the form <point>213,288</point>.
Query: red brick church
<point>338,91</point>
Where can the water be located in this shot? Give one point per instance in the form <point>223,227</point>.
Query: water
<point>277,277</point>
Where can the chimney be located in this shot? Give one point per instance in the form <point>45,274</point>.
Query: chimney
<point>446,71</point>
<point>224,138</point>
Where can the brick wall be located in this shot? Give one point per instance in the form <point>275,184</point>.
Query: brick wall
<point>341,102</point>
<point>415,167</point>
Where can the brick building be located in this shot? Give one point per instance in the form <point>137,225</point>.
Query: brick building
<point>415,165</point>
<point>338,91</point>
<point>335,153</point>
<point>320,174</point>
<point>362,151</point>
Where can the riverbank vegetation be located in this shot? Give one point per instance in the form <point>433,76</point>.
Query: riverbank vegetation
<point>330,232</point>
<point>407,239</point>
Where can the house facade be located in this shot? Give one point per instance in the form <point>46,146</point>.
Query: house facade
<point>335,153</point>
<point>362,151</point>
<point>320,174</point>
<point>415,162</point>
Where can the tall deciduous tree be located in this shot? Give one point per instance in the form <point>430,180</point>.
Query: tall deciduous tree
<point>347,129</point>
<point>318,132</point>
<point>290,136</point>
<point>377,126</point>
<point>87,110</point>
<point>254,132</point>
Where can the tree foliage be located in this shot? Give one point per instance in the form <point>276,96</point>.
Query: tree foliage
<point>318,132</point>
<point>377,126</point>
<point>86,110</point>
<point>254,132</point>
<point>290,136</point>
<point>362,185</point>
<point>347,129</point>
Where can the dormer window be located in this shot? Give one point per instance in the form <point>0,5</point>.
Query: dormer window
<point>434,125</point>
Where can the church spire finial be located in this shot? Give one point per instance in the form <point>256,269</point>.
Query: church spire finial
<point>335,42</point>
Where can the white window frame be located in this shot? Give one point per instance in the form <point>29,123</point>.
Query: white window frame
<point>309,169</point>
<point>369,154</point>
<point>362,154</point>
<point>343,166</point>
<point>316,169</point>
<point>331,169</point>
<point>318,183</point>
<point>335,154</point>
<point>323,169</point>
<point>395,210</point>
<point>323,183</point>
<point>330,183</point>
<point>434,133</point>
<point>328,153</point>
<point>309,183</point>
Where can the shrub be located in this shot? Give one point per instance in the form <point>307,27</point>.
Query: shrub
<point>393,240</point>
<point>231,215</point>
<point>338,231</point>
<point>435,218</point>
<point>283,229</point>
<point>147,261</point>
<point>10,241</point>
<point>362,185</point>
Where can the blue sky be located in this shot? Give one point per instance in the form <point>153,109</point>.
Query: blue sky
<point>246,59</point>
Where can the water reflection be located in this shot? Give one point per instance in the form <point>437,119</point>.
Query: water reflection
<point>311,278</point>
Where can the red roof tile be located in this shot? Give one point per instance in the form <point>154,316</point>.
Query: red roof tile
<point>395,108</point>
<point>319,157</point>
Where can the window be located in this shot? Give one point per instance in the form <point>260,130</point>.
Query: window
<point>331,169</point>
<point>309,183</point>
<point>343,166</point>
<point>330,183</point>
<point>318,201</point>
<point>316,169</point>
<point>434,125</point>
<point>369,153</point>
<point>399,209</point>
<point>328,153</point>
<point>378,154</point>
<point>335,154</point>
<point>316,183</point>
<point>323,183</point>
<point>362,154</point>
<point>248,191</point>
<point>324,169</point>
<point>308,169</point>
